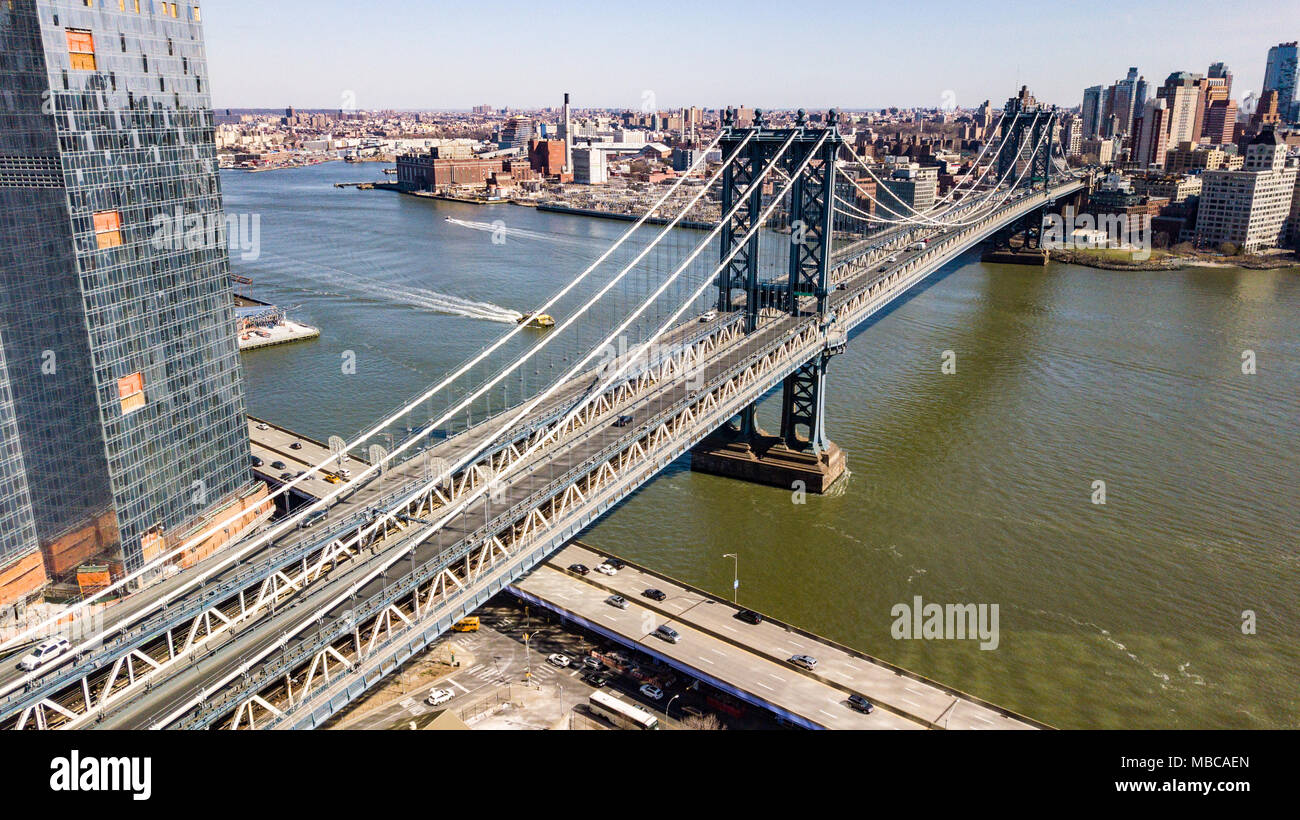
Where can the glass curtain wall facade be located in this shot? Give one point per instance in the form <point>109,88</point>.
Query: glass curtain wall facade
<point>116,305</point>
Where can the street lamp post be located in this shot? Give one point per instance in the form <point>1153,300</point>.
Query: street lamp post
<point>528,655</point>
<point>670,704</point>
<point>735,574</point>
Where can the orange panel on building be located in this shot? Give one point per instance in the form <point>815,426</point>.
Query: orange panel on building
<point>22,577</point>
<point>108,229</point>
<point>81,49</point>
<point>70,550</point>
<point>92,578</point>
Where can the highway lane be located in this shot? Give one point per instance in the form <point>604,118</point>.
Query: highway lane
<point>838,667</point>
<point>701,654</point>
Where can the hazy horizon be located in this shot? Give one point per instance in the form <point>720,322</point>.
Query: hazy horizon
<point>507,55</point>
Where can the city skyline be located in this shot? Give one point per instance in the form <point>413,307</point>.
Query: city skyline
<point>369,64</point>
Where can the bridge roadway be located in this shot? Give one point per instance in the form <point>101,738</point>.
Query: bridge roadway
<point>255,641</point>
<point>750,661</point>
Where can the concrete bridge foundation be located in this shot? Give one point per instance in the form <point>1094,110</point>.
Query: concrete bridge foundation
<point>767,459</point>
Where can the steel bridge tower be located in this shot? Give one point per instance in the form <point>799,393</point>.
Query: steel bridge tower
<point>1025,121</point>
<point>1026,125</point>
<point>801,290</point>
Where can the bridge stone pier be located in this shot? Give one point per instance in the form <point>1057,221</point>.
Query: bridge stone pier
<point>800,456</point>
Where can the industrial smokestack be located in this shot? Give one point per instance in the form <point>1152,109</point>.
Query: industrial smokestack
<point>568,137</point>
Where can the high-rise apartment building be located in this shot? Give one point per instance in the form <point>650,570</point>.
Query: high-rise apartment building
<point>516,133</point>
<point>1091,112</point>
<point>1182,93</point>
<point>1219,71</point>
<point>1280,75</point>
<point>1120,100</point>
<point>1250,207</point>
<point>908,188</point>
<point>1151,140</point>
<point>121,397</point>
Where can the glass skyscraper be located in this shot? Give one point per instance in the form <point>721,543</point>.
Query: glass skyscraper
<point>121,398</point>
<point>1280,73</point>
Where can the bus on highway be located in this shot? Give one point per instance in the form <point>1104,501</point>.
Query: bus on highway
<point>621,713</point>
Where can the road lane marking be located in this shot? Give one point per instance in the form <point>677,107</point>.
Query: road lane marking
<point>458,685</point>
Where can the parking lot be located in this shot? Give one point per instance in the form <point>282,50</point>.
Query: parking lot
<point>498,680</point>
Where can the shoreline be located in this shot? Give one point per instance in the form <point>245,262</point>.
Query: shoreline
<point>540,206</point>
<point>1089,260</point>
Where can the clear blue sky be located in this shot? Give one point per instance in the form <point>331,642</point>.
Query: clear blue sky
<point>444,54</point>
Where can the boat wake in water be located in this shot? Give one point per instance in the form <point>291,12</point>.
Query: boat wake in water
<point>499,227</point>
<point>344,283</point>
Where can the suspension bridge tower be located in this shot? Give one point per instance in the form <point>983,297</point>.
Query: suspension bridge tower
<point>1028,136</point>
<point>769,281</point>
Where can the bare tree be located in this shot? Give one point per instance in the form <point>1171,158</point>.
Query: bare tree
<point>704,723</point>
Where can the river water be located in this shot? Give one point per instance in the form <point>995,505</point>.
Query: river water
<point>970,487</point>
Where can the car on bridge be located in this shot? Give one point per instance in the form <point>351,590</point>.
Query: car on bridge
<point>667,633</point>
<point>47,651</point>
<point>581,569</point>
<point>279,465</point>
<point>749,616</point>
<point>437,697</point>
<point>654,595</point>
<point>617,600</point>
<point>622,421</point>
<point>312,518</point>
<point>860,704</point>
<point>804,662</point>
<point>606,569</point>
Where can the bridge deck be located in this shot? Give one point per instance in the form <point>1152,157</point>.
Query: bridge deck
<point>753,658</point>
